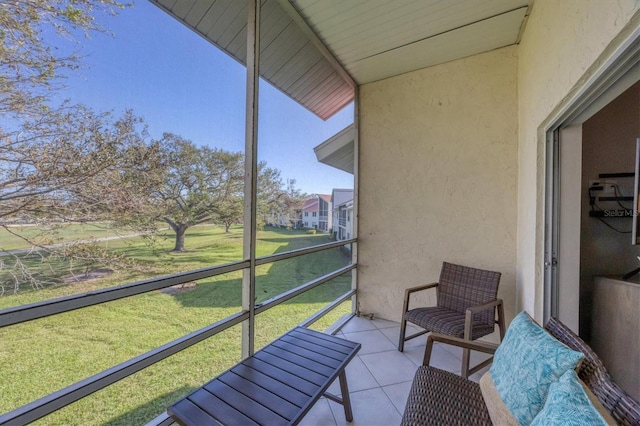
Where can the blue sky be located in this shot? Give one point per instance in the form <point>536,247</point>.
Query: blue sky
<point>182,84</point>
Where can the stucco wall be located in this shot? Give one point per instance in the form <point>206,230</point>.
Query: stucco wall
<point>564,44</point>
<point>438,177</point>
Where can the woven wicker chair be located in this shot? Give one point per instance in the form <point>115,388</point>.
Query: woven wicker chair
<point>466,305</point>
<point>439,397</point>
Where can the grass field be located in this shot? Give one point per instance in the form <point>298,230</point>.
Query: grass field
<point>44,355</point>
<point>57,234</point>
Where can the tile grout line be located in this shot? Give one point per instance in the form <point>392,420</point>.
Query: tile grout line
<point>374,377</point>
<point>383,387</point>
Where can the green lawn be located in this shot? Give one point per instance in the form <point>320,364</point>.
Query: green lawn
<point>44,355</point>
<point>59,233</point>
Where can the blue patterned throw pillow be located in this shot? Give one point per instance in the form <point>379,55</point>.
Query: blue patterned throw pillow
<point>525,364</point>
<point>568,405</point>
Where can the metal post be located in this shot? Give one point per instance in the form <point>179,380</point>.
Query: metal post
<point>250,176</point>
<point>356,180</point>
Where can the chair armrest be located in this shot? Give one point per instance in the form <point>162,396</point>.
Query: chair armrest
<point>419,288</point>
<point>484,306</point>
<point>407,296</point>
<point>474,345</point>
<point>479,308</point>
<point>489,348</point>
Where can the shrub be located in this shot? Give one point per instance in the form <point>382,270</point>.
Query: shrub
<point>311,232</point>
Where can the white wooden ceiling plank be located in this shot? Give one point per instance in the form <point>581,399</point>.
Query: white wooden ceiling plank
<point>181,8</point>
<point>167,4</point>
<point>238,46</point>
<point>224,21</point>
<point>283,76</point>
<point>472,39</point>
<point>326,112</point>
<point>339,99</point>
<point>290,45</point>
<point>375,37</point>
<point>272,25</point>
<point>318,106</point>
<point>324,92</point>
<point>211,16</point>
<point>283,48</point>
<point>270,13</point>
<point>236,23</point>
<point>321,78</point>
<point>365,36</point>
<point>384,11</point>
<point>273,20</point>
<point>368,49</point>
<point>197,12</point>
<point>299,64</point>
<point>377,13</point>
<point>324,88</point>
<point>397,26</point>
<point>302,86</point>
<point>322,11</point>
<point>400,27</point>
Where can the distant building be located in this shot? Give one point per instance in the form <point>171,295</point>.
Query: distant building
<point>316,212</point>
<point>286,219</point>
<point>342,213</point>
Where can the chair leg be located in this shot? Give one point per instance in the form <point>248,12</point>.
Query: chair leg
<point>426,360</point>
<point>466,355</point>
<point>501,321</point>
<point>403,322</point>
<point>403,329</point>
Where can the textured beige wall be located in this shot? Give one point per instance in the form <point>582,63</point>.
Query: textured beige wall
<point>564,45</point>
<point>438,177</point>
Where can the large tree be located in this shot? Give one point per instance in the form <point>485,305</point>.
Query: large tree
<point>201,185</point>
<point>205,184</point>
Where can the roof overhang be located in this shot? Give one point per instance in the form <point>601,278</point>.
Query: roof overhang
<point>317,51</point>
<point>337,151</point>
<point>291,57</point>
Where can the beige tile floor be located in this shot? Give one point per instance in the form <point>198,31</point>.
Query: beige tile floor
<point>379,377</point>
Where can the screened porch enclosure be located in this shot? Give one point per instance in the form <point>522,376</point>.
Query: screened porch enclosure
<point>283,276</point>
<point>436,111</point>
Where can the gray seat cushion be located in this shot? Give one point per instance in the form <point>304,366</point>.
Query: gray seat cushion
<point>446,321</point>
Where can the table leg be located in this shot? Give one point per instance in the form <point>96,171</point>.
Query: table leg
<point>346,400</point>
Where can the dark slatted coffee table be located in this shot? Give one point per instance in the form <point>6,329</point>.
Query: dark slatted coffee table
<point>276,386</point>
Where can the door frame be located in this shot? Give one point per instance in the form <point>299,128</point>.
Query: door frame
<point>617,72</point>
